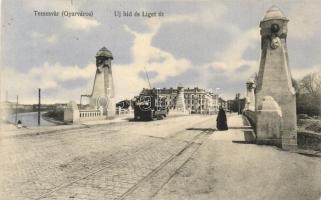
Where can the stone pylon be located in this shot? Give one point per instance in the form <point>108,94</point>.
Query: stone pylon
<point>180,100</point>
<point>103,93</point>
<point>274,79</point>
<point>250,96</point>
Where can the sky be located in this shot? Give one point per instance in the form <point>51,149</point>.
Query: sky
<point>206,44</point>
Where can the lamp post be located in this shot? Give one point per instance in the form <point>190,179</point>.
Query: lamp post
<point>238,103</point>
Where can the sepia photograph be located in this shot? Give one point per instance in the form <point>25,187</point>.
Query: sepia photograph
<point>160,100</point>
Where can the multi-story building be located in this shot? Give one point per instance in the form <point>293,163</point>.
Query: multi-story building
<point>197,100</point>
<point>170,93</point>
<point>223,103</point>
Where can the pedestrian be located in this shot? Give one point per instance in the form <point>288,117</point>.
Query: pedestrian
<point>221,122</point>
<point>19,124</point>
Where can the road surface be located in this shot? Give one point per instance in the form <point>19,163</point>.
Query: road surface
<point>176,158</point>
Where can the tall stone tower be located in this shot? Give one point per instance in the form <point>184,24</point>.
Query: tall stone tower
<point>103,93</point>
<point>275,84</point>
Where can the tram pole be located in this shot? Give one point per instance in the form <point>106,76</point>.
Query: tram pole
<point>39,104</point>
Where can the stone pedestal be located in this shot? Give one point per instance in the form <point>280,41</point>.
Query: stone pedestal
<point>274,78</point>
<point>269,123</point>
<point>71,113</point>
<point>111,109</point>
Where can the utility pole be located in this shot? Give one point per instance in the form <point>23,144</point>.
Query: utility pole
<point>150,86</point>
<point>238,104</point>
<point>17,110</point>
<point>39,103</point>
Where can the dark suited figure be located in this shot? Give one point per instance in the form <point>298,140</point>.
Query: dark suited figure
<point>221,122</point>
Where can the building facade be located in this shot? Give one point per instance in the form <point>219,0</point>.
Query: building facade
<point>197,100</point>
<point>200,101</point>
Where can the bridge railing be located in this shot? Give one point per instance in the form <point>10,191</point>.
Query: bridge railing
<point>87,114</point>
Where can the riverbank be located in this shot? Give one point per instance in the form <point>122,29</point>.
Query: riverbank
<point>54,117</point>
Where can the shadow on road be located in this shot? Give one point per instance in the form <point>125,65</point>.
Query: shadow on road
<point>249,138</point>
<point>201,129</point>
<point>240,127</point>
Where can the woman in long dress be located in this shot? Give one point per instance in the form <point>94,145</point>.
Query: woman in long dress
<point>221,122</point>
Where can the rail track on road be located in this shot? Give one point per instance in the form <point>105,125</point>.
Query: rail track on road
<point>160,176</point>
<point>163,157</point>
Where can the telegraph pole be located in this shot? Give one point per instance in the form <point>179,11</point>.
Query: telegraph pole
<point>238,104</point>
<point>39,103</point>
<point>150,86</point>
<point>17,109</point>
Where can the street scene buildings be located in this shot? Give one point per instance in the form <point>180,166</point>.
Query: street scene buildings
<point>196,100</point>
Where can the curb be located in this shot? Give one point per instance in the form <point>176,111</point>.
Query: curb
<point>76,127</point>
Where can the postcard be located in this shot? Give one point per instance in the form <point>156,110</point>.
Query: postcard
<point>181,99</point>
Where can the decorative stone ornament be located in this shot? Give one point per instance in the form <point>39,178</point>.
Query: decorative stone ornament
<point>250,96</point>
<point>275,28</point>
<point>275,43</point>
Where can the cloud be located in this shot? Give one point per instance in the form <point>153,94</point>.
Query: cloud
<point>58,72</point>
<point>230,62</point>
<point>305,21</point>
<point>299,73</point>
<point>80,23</point>
<point>211,14</point>
<point>128,78</point>
<point>227,62</point>
<point>50,39</point>
<point>50,79</point>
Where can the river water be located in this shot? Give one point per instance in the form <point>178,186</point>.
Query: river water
<point>29,119</point>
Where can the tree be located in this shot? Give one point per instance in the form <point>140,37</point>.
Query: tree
<point>311,84</point>
<point>295,84</point>
<point>309,94</point>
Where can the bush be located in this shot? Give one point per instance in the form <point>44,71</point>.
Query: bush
<point>55,114</point>
<point>308,104</point>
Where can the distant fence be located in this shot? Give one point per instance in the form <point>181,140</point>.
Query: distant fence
<point>251,116</point>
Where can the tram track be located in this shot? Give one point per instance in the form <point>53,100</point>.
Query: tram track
<point>197,140</point>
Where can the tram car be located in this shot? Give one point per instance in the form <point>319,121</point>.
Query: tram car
<point>150,105</point>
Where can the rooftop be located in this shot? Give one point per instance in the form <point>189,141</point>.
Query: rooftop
<point>105,53</point>
<point>274,13</point>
